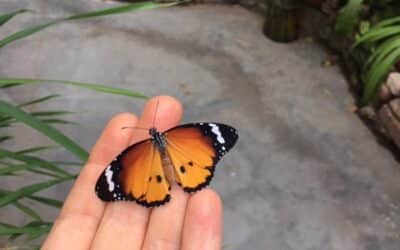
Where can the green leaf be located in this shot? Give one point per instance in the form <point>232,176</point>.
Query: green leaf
<point>91,86</point>
<point>26,32</point>
<point>383,50</point>
<point>6,121</point>
<point>29,190</point>
<point>59,121</point>
<point>376,35</point>
<point>27,210</point>
<point>348,17</point>
<point>4,138</point>
<point>30,228</point>
<point>45,129</point>
<point>387,22</point>
<point>109,11</point>
<point>11,169</point>
<point>46,201</point>
<point>40,199</point>
<point>35,149</point>
<point>33,161</point>
<point>122,9</point>
<point>22,207</point>
<point>51,113</point>
<point>38,100</point>
<point>377,73</point>
<point>6,17</point>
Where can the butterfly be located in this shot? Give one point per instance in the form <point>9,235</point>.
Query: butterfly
<point>186,154</point>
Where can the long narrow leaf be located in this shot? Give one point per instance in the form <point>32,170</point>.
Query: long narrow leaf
<point>33,161</point>
<point>383,50</point>
<point>4,138</point>
<point>12,169</point>
<point>122,9</point>
<point>26,32</point>
<point>46,201</point>
<point>27,210</point>
<point>387,22</point>
<point>38,100</point>
<point>6,229</point>
<point>348,17</point>
<point>376,35</point>
<point>43,200</point>
<point>35,149</point>
<point>376,75</point>
<point>29,190</point>
<point>45,129</point>
<point>7,16</point>
<point>109,11</point>
<point>51,113</point>
<point>59,121</point>
<point>91,86</point>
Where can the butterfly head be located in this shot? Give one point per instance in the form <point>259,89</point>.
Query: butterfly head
<point>153,132</point>
<point>158,139</point>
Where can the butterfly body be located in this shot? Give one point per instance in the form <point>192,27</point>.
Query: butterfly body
<point>185,154</point>
<point>158,139</point>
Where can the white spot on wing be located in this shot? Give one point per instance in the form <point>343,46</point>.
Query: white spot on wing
<point>109,175</point>
<point>215,130</point>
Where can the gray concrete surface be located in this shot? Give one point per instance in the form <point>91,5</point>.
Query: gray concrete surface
<point>306,173</point>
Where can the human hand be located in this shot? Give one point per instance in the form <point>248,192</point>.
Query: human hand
<point>85,222</point>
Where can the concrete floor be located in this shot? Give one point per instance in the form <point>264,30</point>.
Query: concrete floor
<point>306,173</point>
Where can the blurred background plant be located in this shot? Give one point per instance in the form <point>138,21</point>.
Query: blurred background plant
<point>29,160</point>
<point>373,27</point>
<point>365,32</point>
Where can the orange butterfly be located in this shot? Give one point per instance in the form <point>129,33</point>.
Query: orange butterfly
<point>186,154</point>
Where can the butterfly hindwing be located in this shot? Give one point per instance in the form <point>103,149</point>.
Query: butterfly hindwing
<point>194,150</point>
<point>136,174</point>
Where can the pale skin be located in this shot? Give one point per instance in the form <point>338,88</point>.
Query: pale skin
<point>85,222</point>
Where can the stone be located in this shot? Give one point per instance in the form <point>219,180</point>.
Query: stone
<point>393,83</point>
<point>389,116</point>
<point>368,112</point>
<point>384,93</point>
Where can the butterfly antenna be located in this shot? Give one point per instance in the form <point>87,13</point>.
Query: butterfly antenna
<point>155,114</point>
<point>134,127</point>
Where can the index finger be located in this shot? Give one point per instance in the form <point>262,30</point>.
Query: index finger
<point>82,208</point>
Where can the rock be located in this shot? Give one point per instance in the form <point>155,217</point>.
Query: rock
<point>395,106</point>
<point>384,93</point>
<point>368,112</point>
<point>393,82</point>
<point>389,116</point>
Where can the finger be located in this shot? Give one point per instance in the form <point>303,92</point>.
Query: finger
<point>78,220</point>
<point>165,226</point>
<point>202,226</point>
<point>124,223</point>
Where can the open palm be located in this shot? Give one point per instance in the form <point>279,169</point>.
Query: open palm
<point>85,222</point>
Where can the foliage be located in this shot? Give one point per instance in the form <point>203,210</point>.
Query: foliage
<point>348,17</point>
<point>378,39</point>
<point>28,160</point>
<point>110,11</point>
<point>383,41</point>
